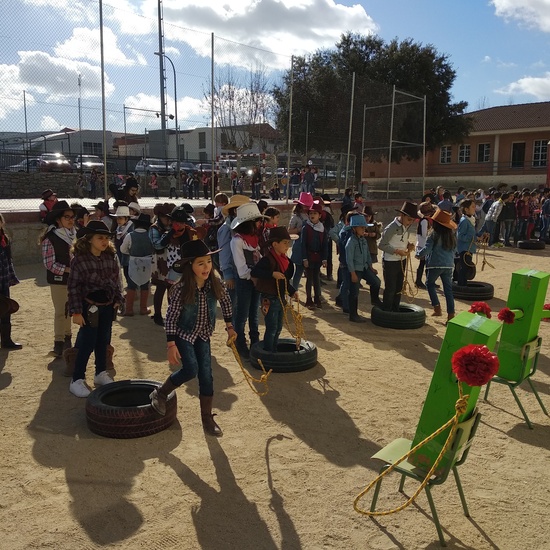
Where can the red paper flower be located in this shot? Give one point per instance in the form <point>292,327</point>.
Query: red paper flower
<point>546,319</point>
<point>506,315</point>
<point>481,307</point>
<point>474,364</point>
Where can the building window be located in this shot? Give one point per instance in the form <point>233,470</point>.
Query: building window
<point>540,152</point>
<point>464,153</point>
<point>445,155</point>
<point>202,140</point>
<point>518,155</point>
<point>203,157</point>
<point>483,152</point>
<point>90,148</point>
<point>223,140</point>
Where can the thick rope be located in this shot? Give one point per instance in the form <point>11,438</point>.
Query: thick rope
<point>460,409</point>
<point>247,376</point>
<point>409,288</point>
<point>294,313</point>
<point>484,245</point>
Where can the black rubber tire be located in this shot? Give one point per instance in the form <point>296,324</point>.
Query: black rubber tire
<point>474,290</point>
<point>122,410</point>
<point>409,316</point>
<point>532,244</point>
<point>287,358</point>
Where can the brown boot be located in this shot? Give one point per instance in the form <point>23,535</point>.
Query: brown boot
<point>69,356</point>
<point>208,422</point>
<point>161,395</point>
<point>129,303</point>
<point>110,367</point>
<point>143,297</point>
<point>437,311</point>
<point>449,317</point>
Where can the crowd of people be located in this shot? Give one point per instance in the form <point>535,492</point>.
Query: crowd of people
<point>234,252</point>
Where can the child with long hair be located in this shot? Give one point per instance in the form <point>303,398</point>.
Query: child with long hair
<point>440,253</point>
<point>465,241</point>
<point>95,292</point>
<point>189,324</point>
<point>295,225</point>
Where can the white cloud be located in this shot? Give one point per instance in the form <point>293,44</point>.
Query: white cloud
<point>84,43</point>
<point>538,87</point>
<point>533,13</point>
<point>11,93</point>
<point>73,10</point>
<point>49,123</point>
<point>171,51</point>
<point>58,78</point>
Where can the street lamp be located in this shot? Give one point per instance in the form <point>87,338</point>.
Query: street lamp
<point>175,114</point>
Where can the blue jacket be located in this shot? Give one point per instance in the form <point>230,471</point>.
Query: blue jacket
<point>358,257</point>
<point>465,236</point>
<point>436,255</point>
<point>190,312</point>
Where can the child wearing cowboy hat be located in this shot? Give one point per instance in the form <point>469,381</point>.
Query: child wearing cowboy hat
<point>272,276</point>
<point>396,246</point>
<point>190,322</point>
<point>227,265</point>
<point>95,292</point>
<point>295,225</point>
<point>245,247</point>
<point>440,253</point>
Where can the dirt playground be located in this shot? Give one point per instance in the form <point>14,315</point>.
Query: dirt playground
<point>286,471</point>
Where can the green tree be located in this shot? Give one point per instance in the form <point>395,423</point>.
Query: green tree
<point>322,87</point>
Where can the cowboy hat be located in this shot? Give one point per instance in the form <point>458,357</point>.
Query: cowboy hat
<point>161,209</point>
<point>102,205</point>
<point>326,198</point>
<point>180,215</point>
<point>143,221</point>
<point>426,209</point>
<point>7,306</point>
<point>245,213</point>
<point>305,199</point>
<point>47,193</point>
<point>316,207</point>
<point>122,212</point>
<point>280,233</point>
<point>409,209</point>
<point>191,250</point>
<point>444,218</point>
<point>57,211</point>
<point>358,221</point>
<point>234,202</point>
<point>95,227</point>
<point>135,206</point>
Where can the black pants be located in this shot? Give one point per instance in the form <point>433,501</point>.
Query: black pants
<point>394,275</point>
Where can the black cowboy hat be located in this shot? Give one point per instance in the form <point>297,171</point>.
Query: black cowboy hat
<point>7,306</point>
<point>103,206</point>
<point>409,209</point>
<point>280,233</point>
<point>163,209</point>
<point>47,193</point>
<point>95,227</point>
<point>57,211</point>
<point>143,221</point>
<point>180,214</point>
<point>191,250</point>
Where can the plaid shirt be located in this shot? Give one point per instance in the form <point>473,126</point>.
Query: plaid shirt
<point>48,258</point>
<point>90,273</point>
<point>203,327</point>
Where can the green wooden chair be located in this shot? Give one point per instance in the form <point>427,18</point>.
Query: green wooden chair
<point>454,457</point>
<point>529,356</point>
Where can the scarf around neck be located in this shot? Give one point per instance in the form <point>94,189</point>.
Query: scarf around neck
<point>281,259</point>
<point>251,240</point>
<point>317,227</point>
<point>68,235</point>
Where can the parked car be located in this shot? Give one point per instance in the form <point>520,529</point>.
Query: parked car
<point>204,167</point>
<point>87,162</point>
<point>54,162</point>
<point>26,165</point>
<point>188,167</point>
<point>148,166</point>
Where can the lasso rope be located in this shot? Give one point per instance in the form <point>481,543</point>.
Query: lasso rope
<point>409,289</point>
<point>247,376</point>
<point>483,244</point>
<point>295,313</point>
<point>460,409</point>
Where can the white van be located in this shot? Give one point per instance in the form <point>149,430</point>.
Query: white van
<point>226,166</point>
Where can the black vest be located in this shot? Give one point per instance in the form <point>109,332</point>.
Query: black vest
<point>62,256</point>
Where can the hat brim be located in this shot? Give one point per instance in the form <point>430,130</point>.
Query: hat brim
<point>448,225</point>
<point>291,237</point>
<point>53,215</point>
<point>415,217</point>
<point>8,306</point>
<point>177,266</point>
<point>83,231</point>
<point>235,204</point>
<point>236,222</point>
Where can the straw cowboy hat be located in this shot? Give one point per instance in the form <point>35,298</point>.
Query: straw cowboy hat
<point>245,213</point>
<point>305,199</point>
<point>409,209</point>
<point>444,218</point>
<point>234,202</point>
<point>191,250</point>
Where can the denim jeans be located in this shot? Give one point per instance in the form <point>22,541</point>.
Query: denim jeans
<point>508,230</point>
<point>248,306</point>
<point>313,280</point>
<point>196,360</point>
<point>273,323</point>
<point>545,225</point>
<point>345,288</point>
<point>521,229</point>
<point>371,279</point>
<point>446,276</point>
<point>490,226</point>
<point>298,272</point>
<point>94,339</point>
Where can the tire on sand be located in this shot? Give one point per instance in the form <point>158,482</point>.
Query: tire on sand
<point>287,358</point>
<point>409,316</point>
<point>122,410</point>
<point>474,290</point>
<point>532,244</point>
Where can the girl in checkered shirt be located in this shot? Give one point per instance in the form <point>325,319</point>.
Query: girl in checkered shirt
<point>189,323</point>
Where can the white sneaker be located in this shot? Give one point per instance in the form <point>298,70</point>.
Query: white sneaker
<point>102,378</point>
<point>79,388</point>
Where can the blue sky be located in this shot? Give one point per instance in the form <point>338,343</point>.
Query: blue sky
<point>498,49</point>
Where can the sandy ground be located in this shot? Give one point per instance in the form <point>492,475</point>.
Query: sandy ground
<point>289,465</point>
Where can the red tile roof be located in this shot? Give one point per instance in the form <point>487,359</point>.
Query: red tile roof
<point>512,117</point>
